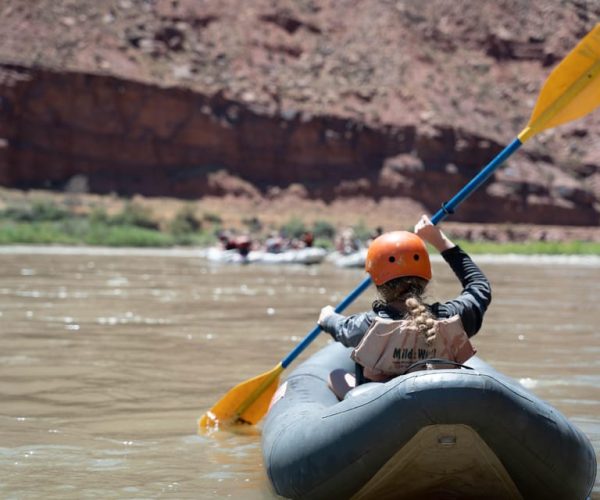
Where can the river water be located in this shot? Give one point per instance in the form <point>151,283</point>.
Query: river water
<point>109,357</point>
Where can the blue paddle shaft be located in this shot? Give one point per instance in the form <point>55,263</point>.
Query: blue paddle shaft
<point>441,214</point>
<point>317,329</point>
<point>475,182</point>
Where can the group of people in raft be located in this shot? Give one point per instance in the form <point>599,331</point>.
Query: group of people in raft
<point>275,242</point>
<point>402,333</point>
<point>346,242</point>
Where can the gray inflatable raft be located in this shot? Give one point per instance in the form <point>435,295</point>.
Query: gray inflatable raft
<point>431,434</point>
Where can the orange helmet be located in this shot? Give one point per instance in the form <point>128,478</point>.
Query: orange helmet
<point>397,254</point>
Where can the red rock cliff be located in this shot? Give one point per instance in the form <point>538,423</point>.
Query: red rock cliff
<point>348,99</point>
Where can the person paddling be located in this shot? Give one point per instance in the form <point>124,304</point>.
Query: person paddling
<point>402,330</point>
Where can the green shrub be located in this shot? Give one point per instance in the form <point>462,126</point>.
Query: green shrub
<point>212,218</point>
<point>99,216</point>
<point>205,238</point>
<point>325,243</point>
<point>361,231</point>
<point>293,228</point>
<point>323,230</point>
<point>185,222</point>
<point>48,211</point>
<point>133,214</point>
<point>76,227</point>
<point>253,224</point>
<point>38,211</point>
<point>34,233</point>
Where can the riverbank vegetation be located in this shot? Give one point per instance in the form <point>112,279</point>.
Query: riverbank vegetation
<point>134,225</point>
<point>49,223</point>
<point>532,247</point>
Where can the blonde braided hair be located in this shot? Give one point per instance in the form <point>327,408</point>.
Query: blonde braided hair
<point>408,292</point>
<point>421,318</point>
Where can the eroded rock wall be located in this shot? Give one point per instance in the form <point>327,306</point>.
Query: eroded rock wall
<point>131,137</point>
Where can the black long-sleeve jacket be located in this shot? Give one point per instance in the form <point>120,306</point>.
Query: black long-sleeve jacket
<point>470,305</point>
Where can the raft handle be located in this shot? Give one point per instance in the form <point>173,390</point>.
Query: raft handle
<point>436,361</point>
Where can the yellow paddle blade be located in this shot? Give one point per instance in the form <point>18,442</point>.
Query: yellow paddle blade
<point>247,402</point>
<point>572,90</point>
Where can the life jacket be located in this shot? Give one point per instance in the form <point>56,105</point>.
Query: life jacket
<point>390,347</point>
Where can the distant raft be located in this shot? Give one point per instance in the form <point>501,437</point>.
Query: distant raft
<point>307,256</point>
<point>469,432</point>
<point>351,260</point>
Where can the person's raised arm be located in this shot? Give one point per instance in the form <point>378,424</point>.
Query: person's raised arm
<point>476,295</point>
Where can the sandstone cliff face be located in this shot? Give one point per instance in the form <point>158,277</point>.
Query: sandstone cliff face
<point>338,99</point>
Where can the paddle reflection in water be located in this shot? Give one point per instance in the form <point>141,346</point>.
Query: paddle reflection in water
<point>107,361</point>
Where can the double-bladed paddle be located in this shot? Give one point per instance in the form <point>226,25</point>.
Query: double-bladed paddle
<point>571,91</point>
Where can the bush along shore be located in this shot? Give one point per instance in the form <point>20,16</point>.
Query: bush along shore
<point>48,222</point>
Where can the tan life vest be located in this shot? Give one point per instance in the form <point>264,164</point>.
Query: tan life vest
<point>390,347</point>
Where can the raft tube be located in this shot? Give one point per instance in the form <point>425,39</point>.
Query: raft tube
<point>355,259</point>
<point>306,256</point>
<point>431,434</point>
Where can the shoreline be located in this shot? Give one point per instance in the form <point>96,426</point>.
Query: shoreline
<point>199,252</point>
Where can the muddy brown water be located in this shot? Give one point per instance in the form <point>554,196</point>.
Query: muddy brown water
<point>109,357</point>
